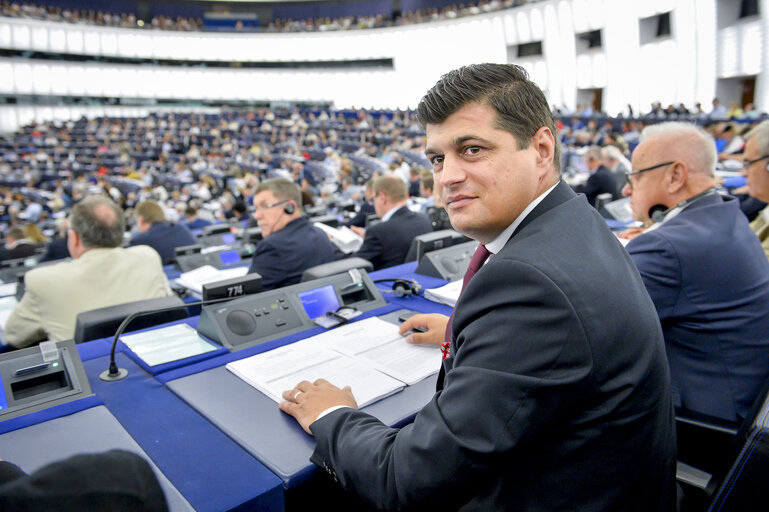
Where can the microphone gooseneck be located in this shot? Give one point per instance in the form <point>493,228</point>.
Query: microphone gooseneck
<point>114,373</point>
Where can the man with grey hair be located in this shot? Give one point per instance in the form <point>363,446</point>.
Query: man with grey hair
<point>704,270</point>
<point>101,274</point>
<point>290,244</point>
<point>756,162</point>
<point>615,161</point>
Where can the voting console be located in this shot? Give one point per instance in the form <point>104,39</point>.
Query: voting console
<point>256,319</point>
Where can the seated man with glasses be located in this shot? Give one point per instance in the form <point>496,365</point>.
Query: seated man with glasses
<point>704,270</point>
<point>291,244</point>
<point>756,165</point>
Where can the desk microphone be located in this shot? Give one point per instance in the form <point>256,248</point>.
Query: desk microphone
<point>114,373</point>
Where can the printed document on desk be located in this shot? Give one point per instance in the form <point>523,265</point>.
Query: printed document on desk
<point>378,343</point>
<point>283,368</point>
<point>7,305</point>
<point>167,344</point>
<point>447,294</point>
<point>344,238</point>
<point>195,279</point>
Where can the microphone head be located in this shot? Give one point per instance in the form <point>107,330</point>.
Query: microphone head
<point>657,212</point>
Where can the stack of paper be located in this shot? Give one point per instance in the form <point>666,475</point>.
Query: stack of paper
<point>167,344</point>
<point>195,279</point>
<point>7,289</point>
<point>7,305</point>
<point>369,356</point>
<point>446,294</point>
<point>344,238</point>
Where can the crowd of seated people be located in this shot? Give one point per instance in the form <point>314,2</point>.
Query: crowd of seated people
<point>95,17</point>
<point>322,24</point>
<point>174,170</point>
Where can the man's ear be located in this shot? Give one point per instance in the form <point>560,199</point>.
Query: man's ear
<point>675,177</point>
<point>543,143</point>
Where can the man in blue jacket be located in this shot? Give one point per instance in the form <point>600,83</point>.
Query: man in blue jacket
<point>704,270</point>
<point>291,244</point>
<point>158,233</point>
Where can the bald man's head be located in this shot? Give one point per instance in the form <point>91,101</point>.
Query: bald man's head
<point>98,221</point>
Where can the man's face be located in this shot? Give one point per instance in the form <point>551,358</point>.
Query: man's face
<point>647,188</point>
<point>272,219</point>
<point>758,174</point>
<point>481,175</point>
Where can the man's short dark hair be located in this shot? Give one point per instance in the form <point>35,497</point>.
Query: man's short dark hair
<point>520,104</point>
<point>150,212</point>
<point>428,182</point>
<point>98,221</point>
<point>282,189</point>
<point>391,186</point>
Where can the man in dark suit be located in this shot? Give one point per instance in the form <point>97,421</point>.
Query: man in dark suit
<point>291,244</point>
<point>601,180</point>
<point>192,220</point>
<point>366,207</point>
<point>705,271</point>
<point>555,394</point>
<point>158,233</point>
<point>115,480</point>
<point>387,243</point>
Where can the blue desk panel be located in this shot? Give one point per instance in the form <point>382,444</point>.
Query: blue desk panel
<point>90,430</point>
<point>210,470</point>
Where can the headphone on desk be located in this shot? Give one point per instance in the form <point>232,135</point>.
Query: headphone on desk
<point>402,287</point>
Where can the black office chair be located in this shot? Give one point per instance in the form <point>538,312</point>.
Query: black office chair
<point>602,200</point>
<point>737,461</point>
<point>103,322</point>
<point>429,242</point>
<point>336,267</point>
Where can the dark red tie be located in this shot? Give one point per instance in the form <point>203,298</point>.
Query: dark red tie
<point>476,262</point>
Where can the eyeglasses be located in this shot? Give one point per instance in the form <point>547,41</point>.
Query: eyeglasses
<point>268,206</point>
<point>633,173</point>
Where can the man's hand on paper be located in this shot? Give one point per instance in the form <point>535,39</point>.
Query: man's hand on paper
<point>306,401</point>
<point>358,231</point>
<point>435,324</point>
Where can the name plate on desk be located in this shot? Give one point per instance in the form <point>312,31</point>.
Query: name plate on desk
<point>266,316</point>
<point>33,379</point>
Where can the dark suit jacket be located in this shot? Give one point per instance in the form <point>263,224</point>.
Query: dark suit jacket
<point>164,237</point>
<point>56,250</point>
<point>115,481</point>
<point>366,209</point>
<point>197,224</point>
<point>282,257</point>
<point>387,243</point>
<point>709,280</point>
<point>556,394</point>
<point>600,182</point>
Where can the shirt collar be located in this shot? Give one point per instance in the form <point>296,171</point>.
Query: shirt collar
<point>498,243</point>
<point>389,214</point>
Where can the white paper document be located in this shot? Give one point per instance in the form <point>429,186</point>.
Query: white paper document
<point>7,289</point>
<point>7,305</point>
<point>378,343</point>
<point>447,294</point>
<point>195,279</point>
<point>283,368</point>
<point>344,238</point>
<point>167,344</point>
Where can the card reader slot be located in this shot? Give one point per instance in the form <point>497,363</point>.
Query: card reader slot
<point>36,386</point>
